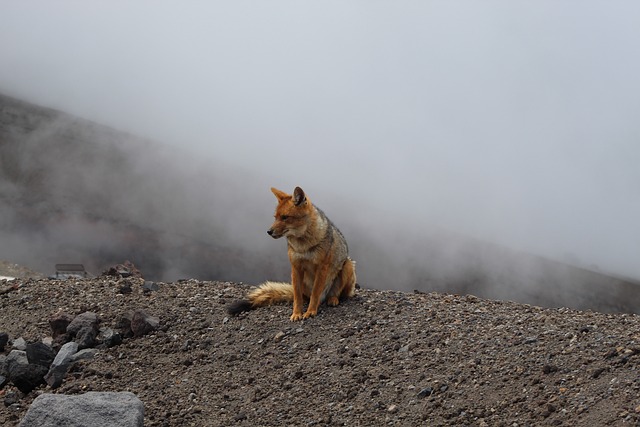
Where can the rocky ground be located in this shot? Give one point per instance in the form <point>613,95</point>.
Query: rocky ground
<point>381,358</point>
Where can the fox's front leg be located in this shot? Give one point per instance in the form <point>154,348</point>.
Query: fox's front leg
<point>319,284</point>
<point>297,277</point>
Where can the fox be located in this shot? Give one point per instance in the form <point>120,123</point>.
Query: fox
<point>321,269</point>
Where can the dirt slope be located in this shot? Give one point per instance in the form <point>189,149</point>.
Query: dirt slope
<point>382,358</point>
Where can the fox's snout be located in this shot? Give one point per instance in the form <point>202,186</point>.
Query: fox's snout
<point>272,232</point>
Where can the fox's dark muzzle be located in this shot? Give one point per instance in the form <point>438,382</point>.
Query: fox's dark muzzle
<point>273,233</point>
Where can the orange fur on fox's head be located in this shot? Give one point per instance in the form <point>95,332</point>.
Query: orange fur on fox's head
<point>291,214</point>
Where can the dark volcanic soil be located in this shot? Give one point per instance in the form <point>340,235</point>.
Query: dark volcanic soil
<point>381,358</point>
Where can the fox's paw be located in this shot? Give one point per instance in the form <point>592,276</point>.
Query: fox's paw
<point>295,317</point>
<point>310,313</point>
<point>333,301</point>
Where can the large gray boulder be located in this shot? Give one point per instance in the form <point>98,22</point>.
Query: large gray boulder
<point>95,409</point>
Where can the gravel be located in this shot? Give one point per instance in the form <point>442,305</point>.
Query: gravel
<point>380,358</point>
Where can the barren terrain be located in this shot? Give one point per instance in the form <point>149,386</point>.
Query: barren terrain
<point>381,358</point>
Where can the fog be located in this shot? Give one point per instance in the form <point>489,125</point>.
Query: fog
<point>511,123</point>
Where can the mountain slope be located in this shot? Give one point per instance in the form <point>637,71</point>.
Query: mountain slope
<point>76,191</point>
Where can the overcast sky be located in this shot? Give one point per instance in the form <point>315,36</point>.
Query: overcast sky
<point>514,122</point>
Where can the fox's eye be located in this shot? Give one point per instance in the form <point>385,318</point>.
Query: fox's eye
<point>283,217</point>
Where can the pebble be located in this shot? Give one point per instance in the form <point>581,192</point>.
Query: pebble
<point>425,392</point>
<point>11,398</point>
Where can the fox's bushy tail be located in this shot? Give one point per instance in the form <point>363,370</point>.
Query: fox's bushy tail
<point>266,294</point>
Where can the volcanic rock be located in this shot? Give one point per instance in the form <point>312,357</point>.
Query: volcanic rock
<point>142,323</point>
<point>27,377</point>
<point>61,364</point>
<point>16,357</point>
<point>59,323</point>
<point>110,338</point>
<point>84,328</point>
<point>100,409</point>
<point>126,269</point>
<point>39,353</point>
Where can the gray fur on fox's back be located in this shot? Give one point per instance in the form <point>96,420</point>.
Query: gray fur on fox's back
<point>331,228</point>
<point>332,239</point>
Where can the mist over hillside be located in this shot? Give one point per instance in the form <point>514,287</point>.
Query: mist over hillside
<point>76,191</point>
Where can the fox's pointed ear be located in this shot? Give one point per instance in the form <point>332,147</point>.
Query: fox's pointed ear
<point>279,194</point>
<point>298,196</point>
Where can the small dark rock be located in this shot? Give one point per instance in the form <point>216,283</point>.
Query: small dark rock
<point>124,325</point>
<point>142,323</point>
<point>425,392</point>
<point>150,287</point>
<point>81,321</point>
<point>86,338</point>
<point>240,417</point>
<point>547,369</point>
<point>84,329</point>
<point>611,353</point>
<point>27,377</point>
<point>110,338</point>
<point>3,381</point>
<point>346,333</point>
<point>11,398</point>
<point>597,372</point>
<point>125,287</point>
<point>39,353</point>
<point>58,323</point>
